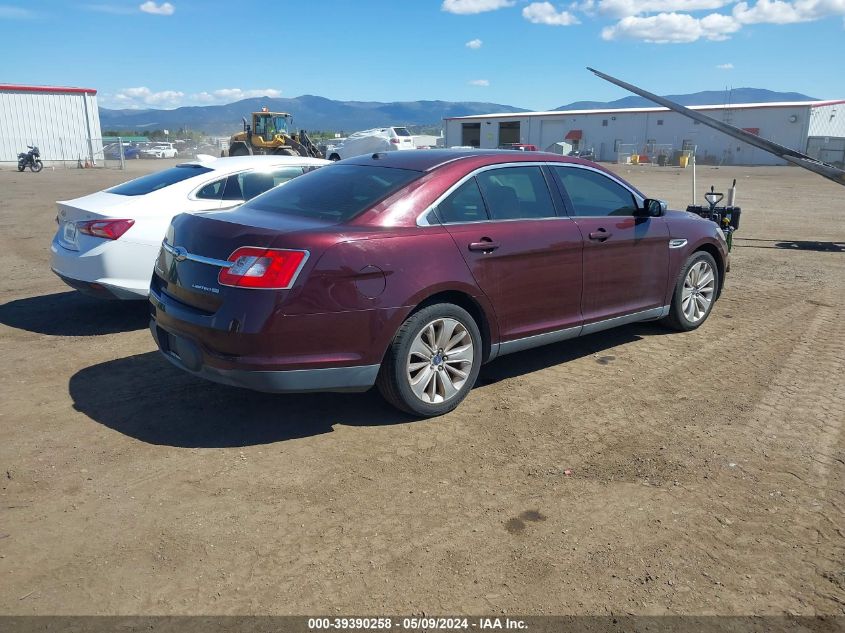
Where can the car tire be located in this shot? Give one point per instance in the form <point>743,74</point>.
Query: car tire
<point>417,375</point>
<point>696,290</point>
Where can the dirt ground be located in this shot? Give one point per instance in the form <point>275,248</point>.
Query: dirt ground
<point>707,470</point>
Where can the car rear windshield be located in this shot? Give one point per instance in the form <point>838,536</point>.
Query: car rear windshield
<point>334,193</point>
<point>401,131</point>
<point>159,180</point>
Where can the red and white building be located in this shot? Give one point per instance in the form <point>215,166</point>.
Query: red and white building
<point>813,127</point>
<point>63,122</point>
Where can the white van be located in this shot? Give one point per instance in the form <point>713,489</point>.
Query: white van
<point>383,139</point>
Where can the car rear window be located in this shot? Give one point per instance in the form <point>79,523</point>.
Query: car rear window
<point>159,180</point>
<point>401,131</point>
<point>334,193</point>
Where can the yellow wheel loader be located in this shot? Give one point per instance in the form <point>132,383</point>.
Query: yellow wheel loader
<point>271,133</point>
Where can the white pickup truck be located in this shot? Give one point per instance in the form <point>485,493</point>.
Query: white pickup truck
<point>383,139</point>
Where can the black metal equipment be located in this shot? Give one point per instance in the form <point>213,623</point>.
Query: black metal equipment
<point>727,217</point>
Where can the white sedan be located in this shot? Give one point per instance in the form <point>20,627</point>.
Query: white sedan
<point>107,242</point>
<point>160,150</point>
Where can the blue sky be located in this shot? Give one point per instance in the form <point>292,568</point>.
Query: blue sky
<point>517,52</point>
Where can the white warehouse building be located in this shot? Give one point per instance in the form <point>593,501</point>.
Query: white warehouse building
<point>816,128</point>
<point>63,122</point>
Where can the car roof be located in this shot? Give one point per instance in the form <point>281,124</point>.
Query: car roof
<point>428,159</point>
<point>235,163</point>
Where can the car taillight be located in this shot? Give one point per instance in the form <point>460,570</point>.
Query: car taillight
<point>109,229</point>
<point>395,141</point>
<point>269,268</point>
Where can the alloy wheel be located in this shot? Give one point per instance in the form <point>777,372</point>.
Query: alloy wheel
<point>440,360</point>
<point>698,292</point>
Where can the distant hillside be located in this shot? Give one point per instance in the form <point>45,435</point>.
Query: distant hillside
<point>309,113</point>
<point>707,97</point>
<point>318,113</point>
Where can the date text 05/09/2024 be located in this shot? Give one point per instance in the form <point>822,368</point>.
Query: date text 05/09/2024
<point>417,624</point>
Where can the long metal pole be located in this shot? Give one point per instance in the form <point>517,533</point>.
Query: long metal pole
<point>693,173</point>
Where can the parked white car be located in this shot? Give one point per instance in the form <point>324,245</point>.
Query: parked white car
<point>331,146</point>
<point>160,150</point>
<point>107,242</point>
<point>384,139</point>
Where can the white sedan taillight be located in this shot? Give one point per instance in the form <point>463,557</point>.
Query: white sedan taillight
<point>108,229</point>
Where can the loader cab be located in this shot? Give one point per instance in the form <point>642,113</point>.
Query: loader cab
<point>268,124</point>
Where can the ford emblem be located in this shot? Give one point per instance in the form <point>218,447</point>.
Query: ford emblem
<point>180,254</point>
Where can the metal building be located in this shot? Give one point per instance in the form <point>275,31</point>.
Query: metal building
<point>814,127</point>
<point>63,122</point>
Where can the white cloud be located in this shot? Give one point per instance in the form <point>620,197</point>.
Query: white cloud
<point>545,13</point>
<point>780,12</point>
<point>467,7</point>
<point>625,8</point>
<point>672,28</point>
<point>727,66</point>
<point>474,44</point>
<point>480,82</point>
<point>165,8</point>
<point>134,97</point>
<point>228,95</point>
<point>15,13</point>
<point>584,6</point>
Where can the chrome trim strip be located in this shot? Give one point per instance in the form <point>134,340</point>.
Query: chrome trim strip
<point>537,340</point>
<point>421,220</point>
<point>677,243</point>
<point>645,315</point>
<point>180,256</point>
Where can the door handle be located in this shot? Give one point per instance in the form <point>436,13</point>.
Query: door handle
<point>485,245</point>
<point>601,235</point>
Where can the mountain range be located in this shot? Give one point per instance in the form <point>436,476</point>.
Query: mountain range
<point>309,112</point>
<point>706,97</point>
<point>318,113</point>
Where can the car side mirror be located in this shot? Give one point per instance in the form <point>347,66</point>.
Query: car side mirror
<point>652,208</point>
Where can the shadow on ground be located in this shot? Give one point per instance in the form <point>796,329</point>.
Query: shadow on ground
<point>145,397</point>
<point>792,245</point>
<point>74,314</point>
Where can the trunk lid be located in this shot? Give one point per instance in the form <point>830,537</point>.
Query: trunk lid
<point>200,245</point>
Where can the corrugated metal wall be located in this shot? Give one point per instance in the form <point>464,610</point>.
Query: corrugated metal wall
<point>64,126</point>
<point>602,130</point>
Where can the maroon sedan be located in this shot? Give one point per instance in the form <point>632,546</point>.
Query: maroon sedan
<point>408,270</point>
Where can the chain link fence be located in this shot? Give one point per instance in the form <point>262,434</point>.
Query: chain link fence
<point>106,152</point>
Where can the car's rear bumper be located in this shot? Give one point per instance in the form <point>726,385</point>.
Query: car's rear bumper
<point>99,290</point>
<point>188,356</point>
<point>119,268</point>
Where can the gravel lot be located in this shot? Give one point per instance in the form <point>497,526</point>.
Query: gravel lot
<point>706,470</point>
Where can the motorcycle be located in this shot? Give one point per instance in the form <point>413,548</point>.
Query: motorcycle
<point>31,159</point>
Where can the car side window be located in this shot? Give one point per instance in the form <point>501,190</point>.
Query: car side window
<point>284,174</point>
<point>513,193</point>
<point>232,190</point>
<point>212,191</point>
<point>249,184</point>
<point>464,204</point>
<point>594,194</point>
